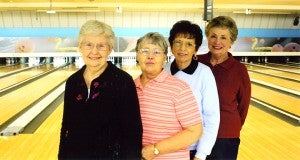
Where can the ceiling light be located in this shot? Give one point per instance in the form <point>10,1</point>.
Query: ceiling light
<point>263,12</point>
<point>248,11</point>
<point>119,9</point>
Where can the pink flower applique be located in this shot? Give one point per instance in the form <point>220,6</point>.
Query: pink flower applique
<point>95,95</point>
<point>96,84</point>
<point>79,97</point>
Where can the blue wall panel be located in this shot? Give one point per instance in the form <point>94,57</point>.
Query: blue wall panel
<point>135,32</point>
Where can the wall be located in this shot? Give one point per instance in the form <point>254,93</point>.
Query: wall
<point>29,19</point>
<point>58,32</point>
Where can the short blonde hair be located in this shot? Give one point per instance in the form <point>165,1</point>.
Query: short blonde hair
<point>223,22</point>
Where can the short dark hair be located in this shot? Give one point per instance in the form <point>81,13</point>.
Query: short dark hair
<point>186,29</point>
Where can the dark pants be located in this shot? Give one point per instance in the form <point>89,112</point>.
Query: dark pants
<point>192,154</point>
<point>225,149</point>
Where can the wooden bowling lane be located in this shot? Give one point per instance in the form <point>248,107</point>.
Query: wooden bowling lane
<point>55,118</point>
<point>280,100</point>
<point>273,72</point>
<point>282,66</point>
<point>263,136</point>
<point>24,75</point>
<point>11,68</point>
<point>46,140</point>
<point>295,64</point>
<point>267,137</point>
<point>275,81</point>
<point>29,147</point>
<point>277,66</point>
<point>17,100</point>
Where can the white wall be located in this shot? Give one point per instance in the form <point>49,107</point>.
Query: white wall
<point>30,19</point>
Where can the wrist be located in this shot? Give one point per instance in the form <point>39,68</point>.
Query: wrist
<point>155,150</point>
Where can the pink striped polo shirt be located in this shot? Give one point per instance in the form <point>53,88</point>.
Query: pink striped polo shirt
<point>167,105</point>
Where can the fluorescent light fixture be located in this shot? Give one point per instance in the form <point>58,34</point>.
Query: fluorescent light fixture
<point>51,11</point>
<point>262,12</point>
<point>70,10</point>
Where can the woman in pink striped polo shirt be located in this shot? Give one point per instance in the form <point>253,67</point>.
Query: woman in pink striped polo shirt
<point>170,116</point>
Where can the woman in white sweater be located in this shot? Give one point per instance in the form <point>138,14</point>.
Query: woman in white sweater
<point>185,39</point>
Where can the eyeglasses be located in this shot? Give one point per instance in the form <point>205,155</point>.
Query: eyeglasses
<point>90,46</point>
<point>147,51</point>
<point>187,45</point>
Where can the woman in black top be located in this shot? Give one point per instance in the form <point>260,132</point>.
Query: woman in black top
<point>101,118</point>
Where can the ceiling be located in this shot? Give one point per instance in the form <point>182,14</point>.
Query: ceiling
<point>232,6</point>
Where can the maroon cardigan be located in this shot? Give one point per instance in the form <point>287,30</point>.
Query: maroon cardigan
<point>234,90</point>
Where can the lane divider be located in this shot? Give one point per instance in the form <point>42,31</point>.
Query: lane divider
<point>17,126</point>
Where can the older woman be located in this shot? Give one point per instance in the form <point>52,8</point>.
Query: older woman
<point>101,118</point>
<point>185,39</point>
<point>233,84</point>
<point>170,116</point>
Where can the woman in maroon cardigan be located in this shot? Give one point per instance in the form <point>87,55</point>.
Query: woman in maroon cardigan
<point>233,83</point>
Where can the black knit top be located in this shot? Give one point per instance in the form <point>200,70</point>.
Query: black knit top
<point>105,125</point>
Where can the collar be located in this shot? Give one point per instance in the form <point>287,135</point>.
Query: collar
<point>160,78</point>
<point>189,70</point>
<point>108,69</point>
<point>226,64</point>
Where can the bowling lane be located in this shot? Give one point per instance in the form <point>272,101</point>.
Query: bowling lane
<point>30,147</point>
<point>275,81</point>
<point>267,137</point>
<point>273,72</point>
<point>17,100</point>
<point>293,64</point>
<point>21,76</point>
<point>282,66</point>
<point>280,100</point>
<point>258,140</point>
<point>12,68</point>
<point>55,118</point>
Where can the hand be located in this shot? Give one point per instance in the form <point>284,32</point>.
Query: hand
<point>195,158</point>
<point>148,152</point>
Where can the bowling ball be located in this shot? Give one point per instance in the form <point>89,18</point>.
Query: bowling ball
<point>277,48</point>
<point>291,47</point>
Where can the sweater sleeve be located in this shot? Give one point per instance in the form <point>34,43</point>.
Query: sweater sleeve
<point>62,152</point>
<point>210,115</point>
<point>244,94</point>
<point>131,123</point>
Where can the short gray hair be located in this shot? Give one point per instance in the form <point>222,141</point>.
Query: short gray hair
<point>153,38</point>
<point>94,28</point>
